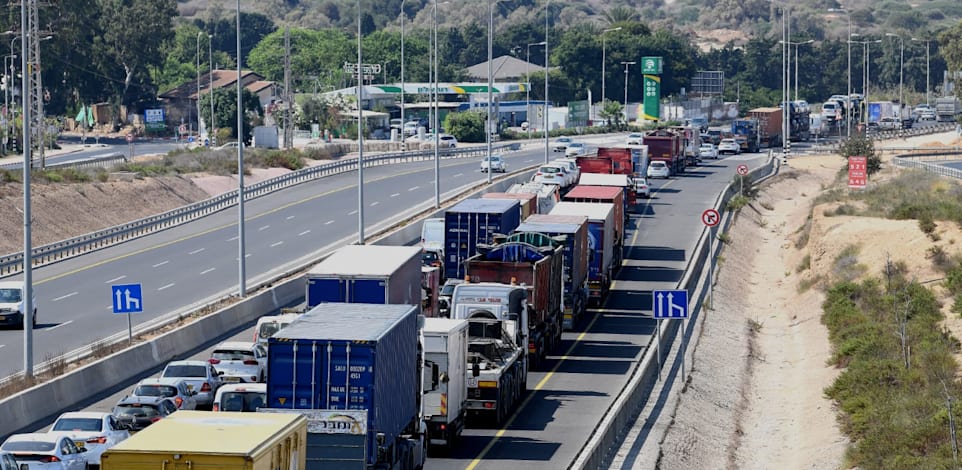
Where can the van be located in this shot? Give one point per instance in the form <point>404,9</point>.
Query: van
<point>268,325</point>
<point>240,397</point>
<point>830,109</point>
<point>432,235</point>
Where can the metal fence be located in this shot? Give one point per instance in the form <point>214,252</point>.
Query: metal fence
<point>58,251</point>
<point>100,161</point>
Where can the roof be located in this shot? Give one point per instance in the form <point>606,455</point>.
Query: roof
<point>516,196</point>
<point>235,345</point>
<point>202,432</point>
<point>161,381</point>
<point>215,79</point>
<point>443,325</point>
<point>188,362</point>
<point>603,179</point>
<point>140,399</point>
<point>11,284</point>
<point>243,387</point>
<point>365,260</point>
<point>593,210</point>
<point>548,228</point>
<point>347,322</point>
<point>594,192</point>
<point>503,67</point>
<point>84,414</point>
<point>556,219</point>
<point>484,206</point>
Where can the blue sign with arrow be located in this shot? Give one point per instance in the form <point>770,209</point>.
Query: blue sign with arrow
<point>670,303</point>
<point>127,298</point>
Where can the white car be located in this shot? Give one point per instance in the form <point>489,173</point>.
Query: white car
<point>445,141</point>
<point>200,375</point>
<point>270,324</point>
<point>240,361</point>
<point>240,397</point>
<point>707,151</point>
<point>560,144</point>
<point>635,138</point>
<point>11,304</point>
<point>658,169</point>
<point>729,146</point>
<point>177,390</point>
<point>641,187</point>
<point>46,451</point>
<point>576,148</point>
<point>96,432</point>
<point>228,146</point>
<point>495,162</point>
<point>7,462</point>
<point>551,174</point>
<point>410,127</point>
<point>572,167</point>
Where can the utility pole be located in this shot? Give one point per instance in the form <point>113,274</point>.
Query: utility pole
<point>32,50</point>
<point>288,96</point>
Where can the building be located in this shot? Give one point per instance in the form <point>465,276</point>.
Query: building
<point>181,102</point>
<point>505,68</point>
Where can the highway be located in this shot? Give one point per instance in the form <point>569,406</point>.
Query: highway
<point>584,376</point>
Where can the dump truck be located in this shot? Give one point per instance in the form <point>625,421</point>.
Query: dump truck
<point>446,357</point>
<point>472,222</point>
<point>372,274</point>
<point>770,122</point>
<point>628,160</point>
<point>197,440</point>
<point>574,231</point>
<point>604,253</point>
<point>667,146</point>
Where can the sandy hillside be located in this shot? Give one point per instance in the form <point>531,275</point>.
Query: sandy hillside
<point>755,395</point>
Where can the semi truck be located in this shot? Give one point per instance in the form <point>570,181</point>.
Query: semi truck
<point>690,142</point>
<point>472,222</point>
<point>770,131</point>
<point>197,439</point>
<point>630,163</point>
<point>372,274</point>
<point>430,290</point>
<point>604,252</point>
<point>497,338</point>
<point>947,108</point>
<point>666,145</point>
<point>799,121</point>
<point>603,194</point>
<point>359,365</point>
<point>446,356</point>
<point>528,201</point>
<point>535,262</point>
<point>574,231</point>
<point>745,132</point>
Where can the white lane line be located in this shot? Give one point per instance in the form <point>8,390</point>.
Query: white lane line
<point>234,238</point>
<point>329,222</point>
<point>166,287</point>
<point>395,194</point>
<point>305,232</point>
<point>529,160</point>
<point>290,217</point>
<point>195,251</point>
<point>2,346</point>
<point>414,188</point>
<point>161,263</point>
<point>58,326</point>
<point>263,228</point>
<point>352,213</point>
<point>115,279</point>
<point>206,271</point>
<point>459,174</point>
<point>374,203</point>
<point>245,257</point>
<point>276,244</point>
<point>65,296</point>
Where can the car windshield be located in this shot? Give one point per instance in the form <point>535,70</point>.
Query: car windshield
<point>550,169</point>
<point>269,328</point>
<point>178,370</point>
<point>28,446</point>
<point>77,424</point>
<point>429,257</point>
<point>232,354</point>
<point>564,139</point>
<point>155,391</point>
<point>447,289</point>
<point>493,159</point>
<point>658,164</point>
<point>242,401</point>
<point>136,410</point>
<point>9,295</point>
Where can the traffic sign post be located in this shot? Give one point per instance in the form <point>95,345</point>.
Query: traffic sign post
<point>670,305</point>
<point>742,171</point>
<point>711,219</point>
<point>127,298</point>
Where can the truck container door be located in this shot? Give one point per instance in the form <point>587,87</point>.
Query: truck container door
<point>326,290</point>
<point>367,291</point>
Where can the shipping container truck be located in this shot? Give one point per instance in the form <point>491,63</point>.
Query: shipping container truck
<point>770,121</point>
<point>799,121</point>
<point>621,167</point>
<point>602,254</point>
<point>446,356</point>
<point>528,201</point>
<point>200,440</point>
<point>603,194</point>
<point>666,145</point>
<point>745,132</point>
<point>343,357</point>
<point>548,194</point>
<point>497,335</point>
<point>947,108</point>
<point>472,222</point>
<point>690,142</point>
<point>574,230</point>
<point>535,262</point>
<point>370,274</point>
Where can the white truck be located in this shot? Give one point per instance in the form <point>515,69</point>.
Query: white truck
<point>947,108</point>
<point>446,356</point>
<point>497,357</point>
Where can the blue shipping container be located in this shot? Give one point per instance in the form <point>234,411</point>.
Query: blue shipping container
<point>349,356</point>
<point>475,221</point>
<point>368,274</point>
<point>572,272</point>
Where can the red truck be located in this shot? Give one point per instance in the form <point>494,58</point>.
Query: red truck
<point>604,194</point>
<point>666,145</point>
<point>537,262</point>
<point>632,162</point>
<point>769,126</point>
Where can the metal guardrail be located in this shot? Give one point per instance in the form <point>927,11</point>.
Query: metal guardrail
<point>13,263</point>
<point>102,161</point>
<point>914,131</point>
<point>921,161</point>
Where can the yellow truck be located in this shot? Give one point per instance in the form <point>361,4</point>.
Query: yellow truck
<point>199,440</point>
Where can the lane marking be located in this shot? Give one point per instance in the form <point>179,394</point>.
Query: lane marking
<point>529,161</point>
<point>414,188</point>
<point>2,346</point>
<point>329,222</point>
<point>115,279</point>
<point>245,257</point>
<point>517,411</point>
<point>277,244</point>
<point>166,287</point>
<point>263,228</point>
<point>352,213</point>
<point>195,251</point>
<point>161,263</point>
<point>305,232</point>
<point>58,326</point>
<point>290,217</point>
<point>374,203</point>
<point>207,271</point>
<point>395,194</point>
<point>234,238</point>
<point>459,174</point>
<point>65,296</point>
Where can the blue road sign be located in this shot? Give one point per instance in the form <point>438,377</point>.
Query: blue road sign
<point>127,298</point>
<point>670,303</point>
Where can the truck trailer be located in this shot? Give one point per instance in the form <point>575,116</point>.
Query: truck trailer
<point>667,146</point>
<point>445,398</point>
<point>603,257</point>
<point>370,274</point>
<point>528,201</point>
<point>574,231</point>
<point>770,121</point>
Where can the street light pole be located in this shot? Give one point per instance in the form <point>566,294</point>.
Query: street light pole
<point>241,238</point>
<point>403,122</point>
<point>360,134</point>
<point>547,70</point>
<point>603,55</point>
<point>190,123</point>
<point>926,67</point>
<point>626,64</point>
<point>901,66</point>
<point>796,44</point>
<point>527,88</point>
<point>210,81</point>
<point>488,126</point>
<point>27,162</point>
<point>849,111</point>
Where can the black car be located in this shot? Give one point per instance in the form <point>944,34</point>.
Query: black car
<point>136,413</point>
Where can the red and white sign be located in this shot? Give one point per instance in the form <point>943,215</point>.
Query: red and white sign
<point>857,172</point>
<point>130,137</point>
<point>710,217</point>
<point>742,170</point>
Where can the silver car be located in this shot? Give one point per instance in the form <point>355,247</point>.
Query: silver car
<point>200,375</point>
<point>175,389</point>
<point>495,162</point>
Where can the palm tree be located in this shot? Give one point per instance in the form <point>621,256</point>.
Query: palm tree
<point>620,14</point>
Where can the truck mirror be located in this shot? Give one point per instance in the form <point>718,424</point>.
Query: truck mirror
<point>444,377</point>
<point>475,369</point>
<point>435,379</point>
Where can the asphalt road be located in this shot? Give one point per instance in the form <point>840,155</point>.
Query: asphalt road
<point>584,376</point>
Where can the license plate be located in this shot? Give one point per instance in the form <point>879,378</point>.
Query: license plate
<point>232,379</point>
<point>2,318</point>
<point>80,444</point>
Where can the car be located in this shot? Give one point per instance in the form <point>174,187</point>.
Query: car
<point>411,127</point>
<point>445,141</point>
<point>560,144</point>
<point>707,151</point>
<point>228,146</point>
<point>635,138</point>
<point>240,397</point>
<point>175,389</point>
<point>524,126</point>
<point>240,361</point>
<point>927,115</point>
<point>8,462</point>
<point>569,176</point>
<point>270,324</point>
<point>93,431</point>
<point>136,413</point>
<point>576,148</point>
<point>922,108</point>
<point>11,304</point>
<point>396,123</point>
<point>495,162</point>
<point>551,174</point>
<point>444,298</point>
<point>430,258</point>
<point>889,123</point>
<point>46,451</point>
<point>728,146</point>
<point>658,169</point>
<point>572,167</point>
<point>200,375</point>
<point>641,187</point>
<point>715,136</point>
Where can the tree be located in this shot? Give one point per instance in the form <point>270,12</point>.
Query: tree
<point>613,112</point>
<point>313,53</point>
<point>321,111</point>
<point>225,110</point>
<point>950,45</point>
<point>466,127</point>
<point>862,146</point>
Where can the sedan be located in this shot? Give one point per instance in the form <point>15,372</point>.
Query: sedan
<point>239,361</point>
<point>641,187</point>
<point>635,138</point>
<point>136,413</point>
<point>46,451</point>
<point>175,389</point>
<point>707,151</point>
<point>561,144</point>
<point>576,148</point>
<point>201,376</point>
<point>7,462</point>
<point>96,432</point>
<point>658,169</point>
<point>446,141</point>
<point>550,174</point>
<point>728,146</point>
<point>495,163</point>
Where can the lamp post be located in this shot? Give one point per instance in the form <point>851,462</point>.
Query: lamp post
<point>360,135</point>
<point>547,70</point>
<point>848,117</point>
<point>27,162</point>
<point>210,80</point>
<point>527,88</point>
<point>7,115</point>
<point>867,73</point>
<point>796,44</point>
<point>403,122</point>
<point>488,125</point>
<point>926,41</point>
<point>241,238</point>
<point>190,123</point>
<point>901,65</point>
<point>435,124</point>
<point>627,64</point>
<point>603,54</point>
